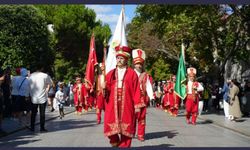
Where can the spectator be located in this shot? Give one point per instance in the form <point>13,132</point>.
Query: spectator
<point>39,86</point>
<point>51,96</point>
<point>226,98</point>
<point>14,94</point>
<point>206,96</point>
<point>215,97</point>
<point>66,90</point>
<point>246,99</point>
<point>7,92</point>
<point>1,100</point>
<point>71,95</point>
<point>23,96</point>
<point>159,93</point>
<point>234,104</point>
<point>60,98</point>
<point>201,102</point>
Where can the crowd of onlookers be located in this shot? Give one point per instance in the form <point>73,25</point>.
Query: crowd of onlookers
<point>212,99</point>
<point>22,93</point>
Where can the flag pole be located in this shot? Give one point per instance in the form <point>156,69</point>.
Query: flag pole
<point>123,9</point>
<point>183,50</point>
<point>104,65</point>
<point>105,54</point>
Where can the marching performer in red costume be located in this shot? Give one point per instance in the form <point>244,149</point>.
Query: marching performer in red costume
<point>99,93</point>
<point>165,103</point>
<point>79,95</point>
<point>122,100</point>
<point>192,99</point>
<point>170,90</point>
<point>174,100</point>
<point>146,90</point>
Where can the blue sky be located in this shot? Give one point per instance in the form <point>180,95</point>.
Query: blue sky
<point>109,13</point>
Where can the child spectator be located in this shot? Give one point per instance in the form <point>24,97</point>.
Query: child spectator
<point>60,98</point>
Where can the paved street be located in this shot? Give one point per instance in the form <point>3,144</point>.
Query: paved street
<point>162,130</point>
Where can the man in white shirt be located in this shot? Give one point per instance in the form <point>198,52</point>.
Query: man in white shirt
<point>39,86</point>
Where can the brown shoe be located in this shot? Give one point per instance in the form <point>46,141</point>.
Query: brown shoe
<point>114,144</point>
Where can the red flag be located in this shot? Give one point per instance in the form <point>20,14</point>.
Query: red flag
<point>92,61</point>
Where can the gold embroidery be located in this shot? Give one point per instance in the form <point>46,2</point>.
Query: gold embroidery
<point>124,126</point>
<point>115,98</point>
<point>140,105</point>
<point>115,132</point>
<point>114,127</point>
<point>123,96</point>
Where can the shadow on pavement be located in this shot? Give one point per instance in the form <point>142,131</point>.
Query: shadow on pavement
<point>181,115</point>
<point>207,121</point>
<point>240,120</point>
<point>154,146</point>
<point>17,141</point>
<point>69,124</point>
<point>155,135</point>
<point>52,126</point>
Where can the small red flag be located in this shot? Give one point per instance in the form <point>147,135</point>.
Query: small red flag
<point>92,61</point>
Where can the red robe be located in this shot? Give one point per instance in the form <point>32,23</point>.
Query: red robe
<point>123,123</point>
<point>192,101</point>
<point>99,98</point>
<point>177,101</point>
<point>165,102</point>
<point>171,94</point>
<point>141,116</point>
<point>79,96</point>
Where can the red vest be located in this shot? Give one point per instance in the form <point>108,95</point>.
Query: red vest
<point>143,80</point>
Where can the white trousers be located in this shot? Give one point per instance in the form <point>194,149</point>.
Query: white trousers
<point>226,108</point>
<point>200,107</point>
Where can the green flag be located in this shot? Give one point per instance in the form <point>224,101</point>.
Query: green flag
<point>180,84</point>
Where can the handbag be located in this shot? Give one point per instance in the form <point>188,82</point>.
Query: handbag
<point>19,96</point>
<point>51,92</point>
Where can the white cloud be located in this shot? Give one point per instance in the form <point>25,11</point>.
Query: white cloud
<point>110,18</point>
<point>107,18</point>
<point>106,14</point>
<point>100,8</point>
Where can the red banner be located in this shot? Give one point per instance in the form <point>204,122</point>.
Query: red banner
<point>92,61</point>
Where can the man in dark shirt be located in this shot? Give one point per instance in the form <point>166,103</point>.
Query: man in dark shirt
<point>1,100</point>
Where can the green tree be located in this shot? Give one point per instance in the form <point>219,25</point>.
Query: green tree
<point>160,70</point>
<point>73,26</point>
<point>24,38</point>
<point>212,36</point>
